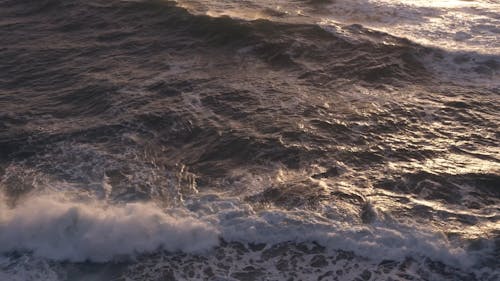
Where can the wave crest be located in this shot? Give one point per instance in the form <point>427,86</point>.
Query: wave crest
<point>61,229</point>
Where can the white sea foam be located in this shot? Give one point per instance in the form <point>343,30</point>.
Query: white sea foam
<point>26,268</point>
<point>53,227</point>
<point>377,242</point>
<point>56,228</point>
<point>380,240</point>
<point>449,24</point>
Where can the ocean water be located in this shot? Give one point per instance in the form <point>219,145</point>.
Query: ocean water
<point>249,140</point>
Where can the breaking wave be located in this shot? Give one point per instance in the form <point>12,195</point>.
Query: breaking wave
<point>53,227</point>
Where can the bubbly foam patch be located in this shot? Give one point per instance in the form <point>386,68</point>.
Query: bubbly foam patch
<point>376,242</point>
<point>53,227</point>
<point>379,240</point>
<point>60,229</point>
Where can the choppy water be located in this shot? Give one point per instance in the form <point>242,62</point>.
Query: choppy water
<point>249,140</point>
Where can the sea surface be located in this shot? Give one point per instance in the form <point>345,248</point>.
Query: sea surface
<point>249,140</point>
